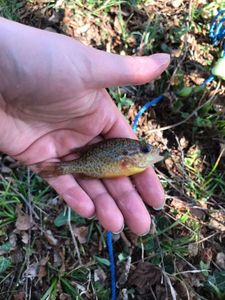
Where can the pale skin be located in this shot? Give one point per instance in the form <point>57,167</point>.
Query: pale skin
<point>53,99</point>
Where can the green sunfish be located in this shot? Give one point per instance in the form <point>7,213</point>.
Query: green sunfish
<point>107,159</point>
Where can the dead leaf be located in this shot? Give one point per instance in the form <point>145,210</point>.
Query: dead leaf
<point>42,268</point>
<point>19,296</point>
<point>217,220</point>
<point>31,271</point>
<point>99,275</point>
<point>58,261</point>
<point>42,272</point>
<point>81,233</point>
<point>176,3</point>
<point>220,260</point>
<point>193,249</point>
<point>50,238</point>
<point>179,205</point>
<point>24,221</point>
<point>198,212</point>
<point>17,256</point>
<point>5,170</point>
<point>25,238</point>
<point>65,296</point>
<point>207,255</point>
<point>145,276</point>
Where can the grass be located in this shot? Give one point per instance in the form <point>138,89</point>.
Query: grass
<point>9,8</point>
<point>182,243</point>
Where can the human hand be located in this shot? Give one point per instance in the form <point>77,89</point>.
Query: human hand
<point>53,99</point>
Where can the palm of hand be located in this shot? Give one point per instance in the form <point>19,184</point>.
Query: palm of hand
<point>68,107</point>
<point>109,199</point>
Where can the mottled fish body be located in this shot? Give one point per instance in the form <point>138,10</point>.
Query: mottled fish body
<point>106,159</point>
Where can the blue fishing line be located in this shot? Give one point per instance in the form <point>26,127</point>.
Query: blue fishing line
<point>217,34</point>
<point>143,109</point>
<point>208,80</point>
<point>217,30</point>
<point>112,264</point>
<point>109,233</point>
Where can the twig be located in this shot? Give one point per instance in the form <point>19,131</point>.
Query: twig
<point>153,294</point>
<point>27,289</point>
<point>172,290</point>
<point>73,236</point>
<point>162,262</point>
<point>189,117</point>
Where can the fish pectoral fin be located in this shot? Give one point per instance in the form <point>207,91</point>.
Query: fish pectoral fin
<point>81,150</point>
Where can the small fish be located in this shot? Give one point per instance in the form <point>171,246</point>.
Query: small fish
<point>107,159</point>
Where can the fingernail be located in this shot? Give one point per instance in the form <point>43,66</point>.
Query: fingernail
<point>143,234</point>
<point>162,58</point>
<point>117,232</point>
<point>159,208</point>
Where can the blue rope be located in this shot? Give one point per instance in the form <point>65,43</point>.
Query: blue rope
<point>208,80</point>
<point>217,34</point>
<point>143,109</point>
<point>109,233</point>
<point>112,264</point>
<point>217,30</point>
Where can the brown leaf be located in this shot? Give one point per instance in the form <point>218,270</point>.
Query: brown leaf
<point>50,238</point>
<point>99,275</point>
<point>220,260</point>
<point>19,296</point>
<point>207,254</point>
<point>81,233</point>
<point>65,296</point>
<point>145,276</point>
<point>42,268</point>
<point>193,249</point>
<point>24,221</point>
<point>217,220</point>
<point>41,273</point>
<point>25,238</point>
<point>31,271</point>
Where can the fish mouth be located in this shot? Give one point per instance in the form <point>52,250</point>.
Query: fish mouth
<point>151,159</point>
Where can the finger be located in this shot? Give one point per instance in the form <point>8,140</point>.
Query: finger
<point>114,70</point>
<point>107,211</point>
<point>73,194</point>
<point>150,188</point>
<point>130,204</point>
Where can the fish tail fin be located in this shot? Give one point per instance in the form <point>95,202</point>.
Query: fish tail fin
<point>50,169</point>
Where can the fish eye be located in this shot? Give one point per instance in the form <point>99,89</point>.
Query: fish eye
<point>146,148</point>
<point>125,152</point>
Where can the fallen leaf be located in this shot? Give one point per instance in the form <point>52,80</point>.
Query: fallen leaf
<point>24,221</point>
<point>193,249</point>
<point>50,238</point>
<point>217,220</point>
<point>31,271</point>
<point>81,233</point>
<point>176,3</point>
<point>19,296</point>
<point>42,268</point>
<point>145,276</point>
<point>64,296</point>
<point>25,238</point>
<point>220,260</point>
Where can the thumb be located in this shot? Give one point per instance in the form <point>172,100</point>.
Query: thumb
<point>117,70</point>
